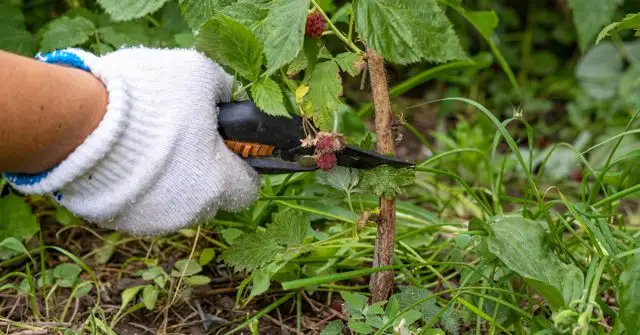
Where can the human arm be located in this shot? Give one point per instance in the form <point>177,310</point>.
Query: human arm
<point>46,111</point>
<point>156,162</point>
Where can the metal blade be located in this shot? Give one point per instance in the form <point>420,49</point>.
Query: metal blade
<point>357,158</point>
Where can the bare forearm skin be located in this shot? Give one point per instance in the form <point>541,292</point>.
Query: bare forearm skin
<point>46,111</point>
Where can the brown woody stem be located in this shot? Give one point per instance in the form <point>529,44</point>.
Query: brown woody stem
<point>381,284</point>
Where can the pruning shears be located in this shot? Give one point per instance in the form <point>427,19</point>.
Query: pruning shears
<point>274,144</point>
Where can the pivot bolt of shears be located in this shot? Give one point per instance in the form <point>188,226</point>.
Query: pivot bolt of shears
<point>306,161</point>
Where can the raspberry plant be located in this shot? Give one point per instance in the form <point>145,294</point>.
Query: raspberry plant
<point>526,266</point>
<point>296,63</point>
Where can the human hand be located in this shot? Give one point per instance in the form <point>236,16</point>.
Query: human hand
<point>156,162</point>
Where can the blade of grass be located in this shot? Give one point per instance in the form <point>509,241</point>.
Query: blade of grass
<point>262,312</point>
<point>417,80</point>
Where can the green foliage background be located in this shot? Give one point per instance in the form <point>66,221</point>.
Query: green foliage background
<point>521,217</point>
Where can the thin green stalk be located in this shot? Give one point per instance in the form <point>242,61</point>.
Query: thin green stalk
<point>262,312</point>
<point>592,298</point>
<point>339,34</point>
<point>418,80</point>
<point>617,196</point>
<point>494,49</point>
<point>314,211</point>
<point>419,135</point>
<point>464,185</point>
<point>605,168</point>
<point>352,19</point>
<point>152,20</point>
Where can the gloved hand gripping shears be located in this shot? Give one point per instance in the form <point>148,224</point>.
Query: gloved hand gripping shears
<point>273,144</point>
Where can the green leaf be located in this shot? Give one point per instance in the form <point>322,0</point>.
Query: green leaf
<point>341,178</point>
<point>67,274</point>
<point>518,243</point>
<point>45,279</point>
<point>590,16</point>
<point>283,32</point>
<point>152,272</point>
<point>289,227</point>
<point>354,303</point>
<point>232,44</point>
<point>129,294</point>
<point>375,309</point>
<point>231,234</point>
<point>628,294</point>
<point>16,218</point>
<point>248,12</point>
<point>386,180</point>
<point>184,40</point>
<point>408,31</point>
<point>126,34</point>
<point>66,32</point>
<point>325,89</point>
<point>149,297</point>
<point>251,251</point>
<point>206,256</point>
<point>630,21</point>
<point>11,16</point>
<point>410,295</point>
<point>261,282</point>
<point>172,19</point>
<point>101,325</point>
<point>267,95</point>
<point>333,328</point>
<point>17,40</point>
<point>360,327</point>
<point>599,71</point>
<point>15,245</point>
<point>485,21</point>
<point>82,290</point>
<point>104,254</point>
<point>393,307</point>
<point>123,10</point>
<point>189,266</point>
<point>350,62</point>
<point>198,280</point>
<point>197,12</point>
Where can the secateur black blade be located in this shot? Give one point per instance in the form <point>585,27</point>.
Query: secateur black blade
<point>272,144</point>
<point>357,158</point>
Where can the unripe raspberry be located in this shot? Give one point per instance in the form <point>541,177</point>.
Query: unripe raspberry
<point>315,25</point>
<point>326,161</point>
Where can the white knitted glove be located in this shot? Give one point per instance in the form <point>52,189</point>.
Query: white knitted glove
<point>156,162</point>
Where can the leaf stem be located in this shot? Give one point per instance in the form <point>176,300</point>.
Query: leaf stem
<point>339,34</point>
<point>381,284</point>
<point>352,19</point>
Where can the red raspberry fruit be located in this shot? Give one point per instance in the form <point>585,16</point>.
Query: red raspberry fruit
<point>315,25</point>
<point>327,161</point>
<point>328,142</point>
<point>324,144</point>
<point>576,175</point>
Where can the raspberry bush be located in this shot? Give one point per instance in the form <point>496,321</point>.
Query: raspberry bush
<point>521,219</point>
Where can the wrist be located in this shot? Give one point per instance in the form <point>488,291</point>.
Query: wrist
<point>79,117</point>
